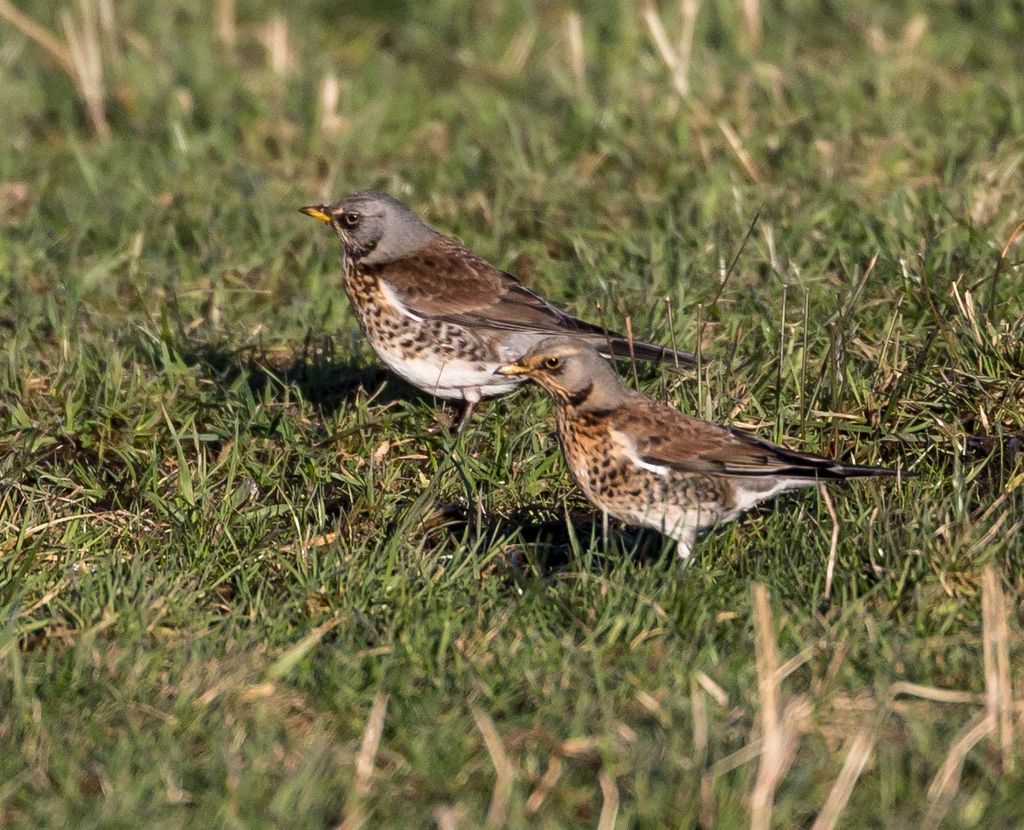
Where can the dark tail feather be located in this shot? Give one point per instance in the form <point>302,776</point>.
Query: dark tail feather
<point>622,347</point>
<point>811,466</point>
<point>862,471</point>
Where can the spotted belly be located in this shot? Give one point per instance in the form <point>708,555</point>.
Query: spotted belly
<point>677,505</point>
<point>439,358</point>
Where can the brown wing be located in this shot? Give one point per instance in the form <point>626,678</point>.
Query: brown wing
<point>446,281</point>
<point>666,437</point>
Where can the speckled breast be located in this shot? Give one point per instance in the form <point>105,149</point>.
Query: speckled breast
<point>607,478</point>
<point>379,320</point>
<point>440,358</point>
<point>616,484</point>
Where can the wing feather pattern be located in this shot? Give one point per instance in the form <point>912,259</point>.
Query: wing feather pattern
<point>665,437</point>
<point>471,292</point>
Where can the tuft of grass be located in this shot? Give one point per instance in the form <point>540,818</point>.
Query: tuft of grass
<point>243,583</point>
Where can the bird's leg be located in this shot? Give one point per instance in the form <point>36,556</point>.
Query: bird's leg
<point>474,520</point>
<point>467,411</point>
<point>685,538</point>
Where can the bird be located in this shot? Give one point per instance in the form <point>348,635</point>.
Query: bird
<point>648,464</point>
<point>438,315</point>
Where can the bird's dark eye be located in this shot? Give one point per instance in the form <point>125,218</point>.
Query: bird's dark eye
<point>350,218</point>
<point>552,363</point>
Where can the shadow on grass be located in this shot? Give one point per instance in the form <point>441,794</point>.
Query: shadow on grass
<point>324,379</point>
<point>531,538</point>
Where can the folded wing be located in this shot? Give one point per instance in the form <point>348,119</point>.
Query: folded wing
<point>471,292</point>
<point>664,437</point>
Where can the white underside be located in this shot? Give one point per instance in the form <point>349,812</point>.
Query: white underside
<point>746,499</point>
<point>453,380</point>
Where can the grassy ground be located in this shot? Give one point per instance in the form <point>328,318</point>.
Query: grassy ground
<point>242,585</point>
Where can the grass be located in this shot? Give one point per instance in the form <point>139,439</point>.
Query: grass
<point>241,583</point>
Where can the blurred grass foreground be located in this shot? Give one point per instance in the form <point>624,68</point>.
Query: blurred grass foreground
<point>243,583</point>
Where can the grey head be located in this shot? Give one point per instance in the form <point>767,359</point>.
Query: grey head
<point>374,227</point>
<point>574,373</point>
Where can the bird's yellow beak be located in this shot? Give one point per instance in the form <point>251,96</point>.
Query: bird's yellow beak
<point>512,369</point>
<point>316,211</point>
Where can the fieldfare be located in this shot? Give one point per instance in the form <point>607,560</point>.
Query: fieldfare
<point>648,464</point>
<point>438,315</point>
